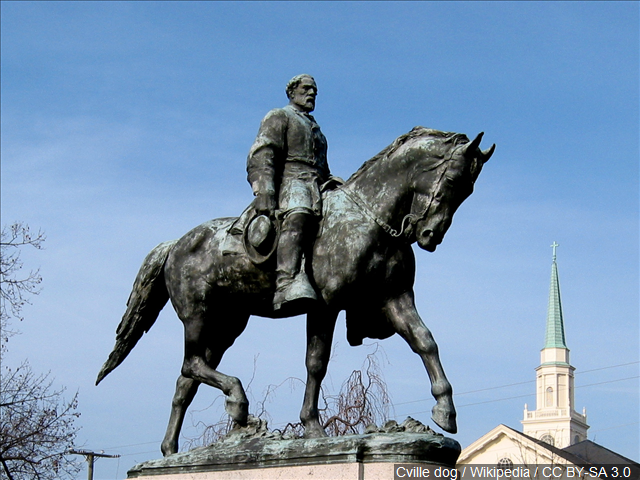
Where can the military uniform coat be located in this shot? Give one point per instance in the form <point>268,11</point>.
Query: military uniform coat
<point>288,159</point>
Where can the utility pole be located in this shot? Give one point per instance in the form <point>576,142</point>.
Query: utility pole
<point>90,456</point>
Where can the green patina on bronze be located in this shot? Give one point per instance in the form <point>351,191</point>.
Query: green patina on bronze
<point>255,446</point>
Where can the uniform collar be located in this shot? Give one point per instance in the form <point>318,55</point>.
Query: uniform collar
<point>300,112</point>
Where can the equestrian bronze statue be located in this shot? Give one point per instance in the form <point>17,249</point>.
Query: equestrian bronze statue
<point>360,261</point>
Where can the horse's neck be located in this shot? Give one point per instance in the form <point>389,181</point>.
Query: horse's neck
<point>385,189</point>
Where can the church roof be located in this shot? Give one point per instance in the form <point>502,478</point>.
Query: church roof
<point>554,337</point>
<point>585,453</point>
<point>545,452</point>
<point>596,454</point>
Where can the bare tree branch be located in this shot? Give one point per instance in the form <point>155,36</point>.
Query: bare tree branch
<point>36,423</point>
<point>36,426</point>
<point>14,290</point>
<point>363,400</point>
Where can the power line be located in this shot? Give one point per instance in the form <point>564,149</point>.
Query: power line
<point>604,368</point>
<point>608,381</point>
<point>456,395</point>
<point>519,383</point>
<point>472,391</point>
<point>616,426</point>
<point>132,445</point>
<point>527,395</point>
<point>140,453</point>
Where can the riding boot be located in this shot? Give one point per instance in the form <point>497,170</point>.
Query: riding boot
<point>292,284</point>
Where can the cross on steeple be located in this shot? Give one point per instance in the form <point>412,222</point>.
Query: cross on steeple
<point>554,245</point>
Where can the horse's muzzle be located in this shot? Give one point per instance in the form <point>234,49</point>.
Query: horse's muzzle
<point>428,239</point>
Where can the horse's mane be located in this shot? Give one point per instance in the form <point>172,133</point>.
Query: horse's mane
<point>416,132</point>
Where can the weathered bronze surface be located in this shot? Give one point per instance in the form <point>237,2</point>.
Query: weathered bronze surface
<point>256,447</point>
<point>359,260</point>
<point>287,168</point>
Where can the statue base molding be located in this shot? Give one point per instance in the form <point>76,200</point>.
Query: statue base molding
<point>357,457</point>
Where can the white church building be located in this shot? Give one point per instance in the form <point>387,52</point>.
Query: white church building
<point>553,433</point>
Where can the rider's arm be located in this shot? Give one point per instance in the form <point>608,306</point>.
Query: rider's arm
<point>265,159</point>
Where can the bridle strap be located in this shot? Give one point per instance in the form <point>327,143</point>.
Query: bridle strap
<point>417,217</point>
<point>355,198</point>
<point>411,218</point>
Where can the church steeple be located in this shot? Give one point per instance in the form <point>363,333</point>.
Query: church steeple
<point>555,420</point>
<point>555,325</point>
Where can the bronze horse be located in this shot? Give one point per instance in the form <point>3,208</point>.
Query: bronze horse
<point>361,262</point>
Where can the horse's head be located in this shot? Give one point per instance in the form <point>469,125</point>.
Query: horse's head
<point>440,189</point>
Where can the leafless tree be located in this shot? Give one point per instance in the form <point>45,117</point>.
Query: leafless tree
<point>37,426</point>
<point>363,400</point>
<point>16,288</point>
<point>36,422</point>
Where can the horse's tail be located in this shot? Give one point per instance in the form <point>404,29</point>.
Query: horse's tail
<point>148,297</point>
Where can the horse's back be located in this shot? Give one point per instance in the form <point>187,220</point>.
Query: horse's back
<point>208,236</point>
<point>208,262</point>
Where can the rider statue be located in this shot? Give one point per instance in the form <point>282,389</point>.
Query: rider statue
<point>287,169</point>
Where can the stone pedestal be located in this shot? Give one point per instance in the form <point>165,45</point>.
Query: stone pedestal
<point>354,457</point>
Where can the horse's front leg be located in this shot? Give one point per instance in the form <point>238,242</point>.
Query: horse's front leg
<point>402,313</point>
<point>320,327</point>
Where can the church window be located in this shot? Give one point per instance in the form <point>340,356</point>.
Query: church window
<point>549,397</point>
<point>548,439</point>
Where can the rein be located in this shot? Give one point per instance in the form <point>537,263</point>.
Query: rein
<point>366,209</point>
<point>409,219</point>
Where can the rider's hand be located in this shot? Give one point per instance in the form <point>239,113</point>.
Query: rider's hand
<point>265,204</point>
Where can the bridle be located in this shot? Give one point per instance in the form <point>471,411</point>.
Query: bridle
<point>368,211</point>
<point>411,218</point>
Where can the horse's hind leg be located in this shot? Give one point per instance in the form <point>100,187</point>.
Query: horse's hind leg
<point>186,389</point>
<point>402,313</point>
<point>205,343</point>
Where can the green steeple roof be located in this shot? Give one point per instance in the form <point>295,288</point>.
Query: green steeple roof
<point>554,337</point>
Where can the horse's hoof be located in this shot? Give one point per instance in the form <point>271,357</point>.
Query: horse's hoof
<point>238,410</point>
<point>314,431</point>
<point>445,418</point>
<point>168,448</point>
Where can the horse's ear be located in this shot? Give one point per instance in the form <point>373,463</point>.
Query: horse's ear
<point>473,146</point>
<point>486,154</point>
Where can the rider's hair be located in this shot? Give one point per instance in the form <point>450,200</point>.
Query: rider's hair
<point>294,82</point>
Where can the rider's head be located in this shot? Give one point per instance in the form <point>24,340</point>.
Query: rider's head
<point>302,91</point>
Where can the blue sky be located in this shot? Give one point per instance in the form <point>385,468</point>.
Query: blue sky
<point>126,124</point>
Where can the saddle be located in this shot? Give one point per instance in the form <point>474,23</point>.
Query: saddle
<point>257,235</point>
